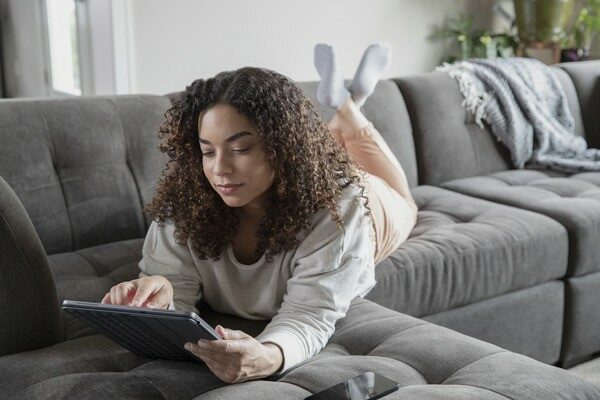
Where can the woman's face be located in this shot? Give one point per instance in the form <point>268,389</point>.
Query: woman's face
<point>233,158</point>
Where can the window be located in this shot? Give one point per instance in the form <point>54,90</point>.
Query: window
<point>69,70</point>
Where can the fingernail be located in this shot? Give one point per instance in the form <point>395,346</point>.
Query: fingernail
<point>187,346</point>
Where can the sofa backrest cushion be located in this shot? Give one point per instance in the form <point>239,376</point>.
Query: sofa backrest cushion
<point>586,79</point>
<point>386,109</point>
<point>82,167</point>
<point>448,142</point>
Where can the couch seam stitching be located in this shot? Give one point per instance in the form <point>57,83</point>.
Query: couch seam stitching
<point>472,362</point>
<point>137,186</point>
<point>62,189</point>
<point>153,385</point>
<point>398,333</point>
<point>89,261</point>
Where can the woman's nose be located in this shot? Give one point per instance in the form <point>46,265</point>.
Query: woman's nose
<point>222,165</point>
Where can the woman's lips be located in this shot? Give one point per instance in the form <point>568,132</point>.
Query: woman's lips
<point>229,189</point>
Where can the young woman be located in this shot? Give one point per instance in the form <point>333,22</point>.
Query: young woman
<point>266,213</point>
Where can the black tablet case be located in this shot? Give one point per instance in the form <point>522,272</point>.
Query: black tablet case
<point>145,332</point>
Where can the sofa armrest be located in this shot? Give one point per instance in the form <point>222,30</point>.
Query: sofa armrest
<point>30,316</point>
<point>586,78</point>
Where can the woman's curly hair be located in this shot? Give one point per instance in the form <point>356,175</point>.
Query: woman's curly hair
<point>311,168</point>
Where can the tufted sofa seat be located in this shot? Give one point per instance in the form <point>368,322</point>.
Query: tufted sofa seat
<point>428,361</point>
<point>463,250</point>
<point>574,201</point>
<point>462,253</point>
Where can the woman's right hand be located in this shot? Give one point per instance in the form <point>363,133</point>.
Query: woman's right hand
<point>150,292</point>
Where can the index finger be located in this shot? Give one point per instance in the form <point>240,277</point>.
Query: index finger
<point>141,294</point>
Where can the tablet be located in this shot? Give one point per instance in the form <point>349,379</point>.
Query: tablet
<point>145,332</point>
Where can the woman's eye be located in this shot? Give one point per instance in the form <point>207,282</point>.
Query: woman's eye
<point>208,153</point>
<point>240,150</point>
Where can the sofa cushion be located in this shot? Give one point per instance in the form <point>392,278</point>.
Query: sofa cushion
<point>448,142</point>
<point>427,360</point>
<point>88,274</point>
<point>82,167</point>
<point>573,200</point>
<point>464,250</point>
<point>529,321</point>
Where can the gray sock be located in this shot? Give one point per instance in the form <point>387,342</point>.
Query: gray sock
<point>331,92</point>
<point>376,59</point>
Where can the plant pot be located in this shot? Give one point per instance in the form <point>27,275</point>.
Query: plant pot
<point>542,20</point>
<point>581,54</point>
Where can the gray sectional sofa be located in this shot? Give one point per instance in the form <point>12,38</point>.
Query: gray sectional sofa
<point>507,257</point>
<point>456,154</point>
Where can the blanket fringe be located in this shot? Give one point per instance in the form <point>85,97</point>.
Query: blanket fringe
<point>475,96</point>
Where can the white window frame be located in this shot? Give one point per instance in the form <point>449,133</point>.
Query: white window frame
<point>84,48</point>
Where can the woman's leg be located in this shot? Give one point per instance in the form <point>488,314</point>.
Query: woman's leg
<point>393,210</point>
<point>393,216</point>
<point>365,145</point>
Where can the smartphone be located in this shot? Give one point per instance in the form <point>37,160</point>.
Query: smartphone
<point>365,386</point>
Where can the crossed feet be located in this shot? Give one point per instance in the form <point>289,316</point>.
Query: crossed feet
<point>347,100</point>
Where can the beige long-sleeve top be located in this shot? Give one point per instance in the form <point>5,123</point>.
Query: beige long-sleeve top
<point>304,291</point>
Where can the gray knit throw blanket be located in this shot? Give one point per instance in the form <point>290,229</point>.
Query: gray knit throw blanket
<point>526,108</point>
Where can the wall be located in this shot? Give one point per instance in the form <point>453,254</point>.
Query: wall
<point>175,42</point>
<point>24,57</point>
<point>162,45</point>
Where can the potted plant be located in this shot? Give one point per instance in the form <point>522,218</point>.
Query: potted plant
<point>579,40</point>
<point>476,43</point>
<point>542,20</point>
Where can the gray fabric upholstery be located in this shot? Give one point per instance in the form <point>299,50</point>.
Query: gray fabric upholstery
<point>88,274</point>
<point>140,117</point>
<point>29,313</point>
<point>586,79</point>
<point>82,167</point>
<point>385,108</point>
<point>582,319</point>
<point>448,142</point>
<point>528,321</point>
<point>464,250</point>
<point>572,200</point>
<point>427,360</point>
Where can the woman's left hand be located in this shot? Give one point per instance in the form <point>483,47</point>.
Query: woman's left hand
<point>238,357</point>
